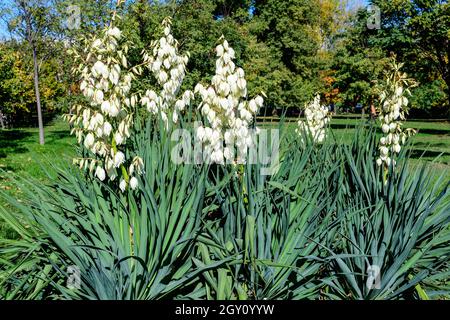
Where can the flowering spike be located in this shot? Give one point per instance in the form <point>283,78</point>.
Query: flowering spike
<point>392,112</point>
<point>227,111</point>
<point>103,124</point>
<point>169,69</point>
<point>317,117</point>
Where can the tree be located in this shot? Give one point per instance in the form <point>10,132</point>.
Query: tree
<point>357,64</point>
<point>292,31</point>
<point>16,85</point>
<point>32,21</point>
<point>417,31</point>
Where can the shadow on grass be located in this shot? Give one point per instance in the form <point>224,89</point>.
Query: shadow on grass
<point>11,142</point>
<point>434,145</point>
<point>442,132</point>
<point>420,153</point>
<point>6,169</point>
<point>434,131</point>
<point>59,134</point>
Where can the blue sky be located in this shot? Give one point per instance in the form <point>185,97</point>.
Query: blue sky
<point>6,3</point>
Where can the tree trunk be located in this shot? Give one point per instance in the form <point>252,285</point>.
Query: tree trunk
<point>38,96</point>
<point>2,123</point>
<point>447,81</point>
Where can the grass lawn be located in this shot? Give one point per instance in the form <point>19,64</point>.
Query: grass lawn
<point>21,154</point>
<point>432,140</point>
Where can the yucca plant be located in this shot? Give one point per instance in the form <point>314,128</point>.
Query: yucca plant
<point>397,229</point>
<point>274,226</point>
<point>135,245</point>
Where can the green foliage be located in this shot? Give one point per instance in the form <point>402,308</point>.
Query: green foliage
<point>127,246</point>
<point>231,233</point>
<point>417,32</point>
<point>430,99</point>
<point>358,65</point>
<point>290,49</point>
<point>17,98</point>
<point>16,85</point>
<point>397,226</point>
<point>290,30</point>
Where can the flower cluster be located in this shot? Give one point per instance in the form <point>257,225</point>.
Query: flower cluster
<point>104,122</point>
<point>228,112</point>
<point>169,69</point>
<point>393,110</point>
<point>317,117</point>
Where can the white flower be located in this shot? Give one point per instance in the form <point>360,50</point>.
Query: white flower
<point>217,156</point>
<point>138,165</point>
<point>227,113</point>
<point>99,96</point>
<point>393,126</point>
<point>163,77</point>
<point>169,69</point>
<point>119,159</point>
<point>316,119</point>
<point>228,153</point>
<point>99,68</point>
<point>114,111</point>
<point>100,173</point>
<point>156,67</point>
<point>395,138</point>
<point>201,133</point>
<point>107,128</point>
<point>179,105</point>
<point>166,63</point>
<point>220,50</point>
<point>89,141</point>
<point>134,183</point>
<point>384,151</point>
<point>118,137</point>
<point>123,185</point>
<point>106,87</point>
<point>99,132</point>
<point>115,32</point>
<point>152,107</point>
<point>379,162</point>
<point>253,106</point>
<point>388,161</point>
<point>97,43</point>
<point>394,100</point>
<point>175,117</point>
<point>259,101</point>
<point>106,107</point>
<point>228,137</point>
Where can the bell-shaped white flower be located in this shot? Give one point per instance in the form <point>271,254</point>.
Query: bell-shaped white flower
<point>123,185</point>
<point>119,159</point>
<point>134,183</point>
<point>100,173</point>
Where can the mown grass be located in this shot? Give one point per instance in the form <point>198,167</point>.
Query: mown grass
<point>431,144</point>
<point>21,154</point>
